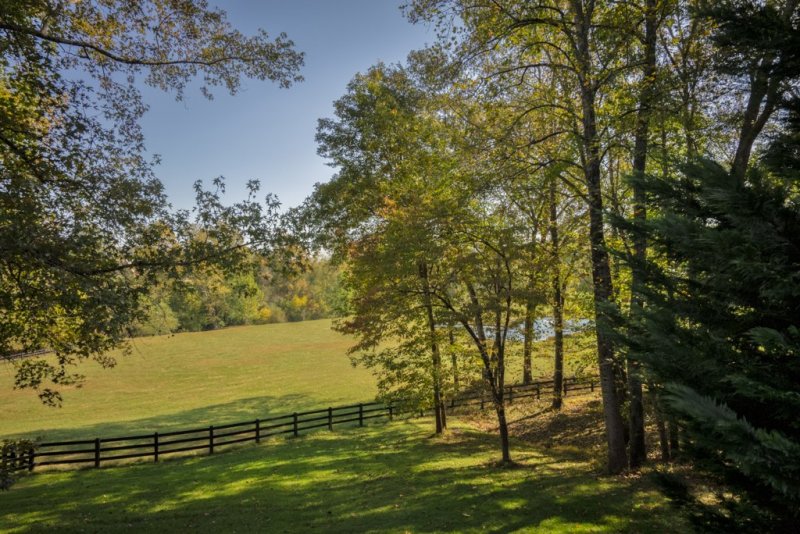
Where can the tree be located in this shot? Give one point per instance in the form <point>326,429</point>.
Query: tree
<point>719,334</point>
<point>755,43</point>
<point>85,227</point>
<point>387,144</point>
<point>582,44</point>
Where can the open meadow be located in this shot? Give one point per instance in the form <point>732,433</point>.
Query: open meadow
<point>385,477</point>
<point>196,379</point>
<point>215,377</point>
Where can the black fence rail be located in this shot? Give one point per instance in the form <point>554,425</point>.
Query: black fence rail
<point>210,439</point>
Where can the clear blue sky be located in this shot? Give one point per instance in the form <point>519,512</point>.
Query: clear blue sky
<point>264,132</point>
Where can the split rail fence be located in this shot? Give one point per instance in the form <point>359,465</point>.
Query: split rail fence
<point>156,445</point>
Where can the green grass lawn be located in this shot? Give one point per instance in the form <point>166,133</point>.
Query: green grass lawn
<point>196,379</point>
<point>235,374</point>
<point>383,478</point>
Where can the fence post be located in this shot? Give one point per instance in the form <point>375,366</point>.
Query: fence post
<point>591,385</point>
<point>511,394</point>
<point>565,388</point>
<point>330,418</point>
<point>391,415</point>
<point>360,414</point>
<point>155,446</point>
<point>30,459</point>
<point>538,391</point>
<point>482,402</point>
<point>294,424</point>
<point>258,430</point>
<point>211,439</point>
<point>97,452</point>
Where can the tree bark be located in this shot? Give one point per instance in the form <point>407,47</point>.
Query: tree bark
<point>454,360</point>
<point>674,443</point>
<point>763,91</point>
<point>527,372</point>
<point>763,100</point>
<point>438,405</point>
<point>558,302</point>
<point>637,445</point>
<point>601,273</point>
<point>501,419</point>
<point>663,440</point>
<point>496,381</point>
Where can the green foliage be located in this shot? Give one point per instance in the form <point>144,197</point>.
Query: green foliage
<point>314,293</point>
<point>159,319</point>
<point>85,228</point>
<point>722,321</point>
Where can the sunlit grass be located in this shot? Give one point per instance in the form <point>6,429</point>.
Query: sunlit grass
<point>196,379</point>
<point>384,478</point>
<point>236,374</point>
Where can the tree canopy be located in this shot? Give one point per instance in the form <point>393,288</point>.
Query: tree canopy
<point>84,223</point>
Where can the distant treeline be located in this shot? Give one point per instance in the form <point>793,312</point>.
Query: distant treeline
<point>260,296</point>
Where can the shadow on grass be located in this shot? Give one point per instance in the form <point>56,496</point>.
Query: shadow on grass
<point>384,478</point>
<point>230,412</point>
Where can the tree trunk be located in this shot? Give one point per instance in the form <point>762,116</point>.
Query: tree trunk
<point>601,273</point>
<point>763,93</point>
<point>503,425</point>
<point>527,373</point>
<point>662,437</point>
<point>558,302</point>
<point>637,446</point>
<point>454,360</point>
<point>674,444</point>
<point>764,98</point>
<point>438,405</point>
<point>496,381</point>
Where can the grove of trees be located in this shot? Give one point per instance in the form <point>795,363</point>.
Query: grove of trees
<point>631,165</point>
<point>632,162</point>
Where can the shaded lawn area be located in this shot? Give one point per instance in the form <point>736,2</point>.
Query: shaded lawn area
<point>383,478</point>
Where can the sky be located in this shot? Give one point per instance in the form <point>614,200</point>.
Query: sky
<point>264,132</point>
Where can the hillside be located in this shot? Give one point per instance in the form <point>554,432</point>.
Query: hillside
<point>195,378</point>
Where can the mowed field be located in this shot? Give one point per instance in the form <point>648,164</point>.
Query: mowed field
<point>196,379</point>
<point>217,377</point>
<point>391,477</point>
<point>385,477</point>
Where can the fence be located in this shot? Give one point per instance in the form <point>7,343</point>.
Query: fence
<point>155,445</point>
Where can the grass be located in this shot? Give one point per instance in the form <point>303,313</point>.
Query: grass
<point>196,379</point>
<point>383,478</point>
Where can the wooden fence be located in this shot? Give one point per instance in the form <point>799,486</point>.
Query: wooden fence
<point>95,452</point>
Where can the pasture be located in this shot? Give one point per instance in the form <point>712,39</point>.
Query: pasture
<point>196,379</point>
<point>216,377</point>
<point>385,477</point>
<point>391,477</point>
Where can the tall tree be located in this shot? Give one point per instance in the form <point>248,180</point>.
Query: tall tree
<point>583,43</point>
<point>718,334</point>
<point>653,15</point>
<point>385,135</point>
